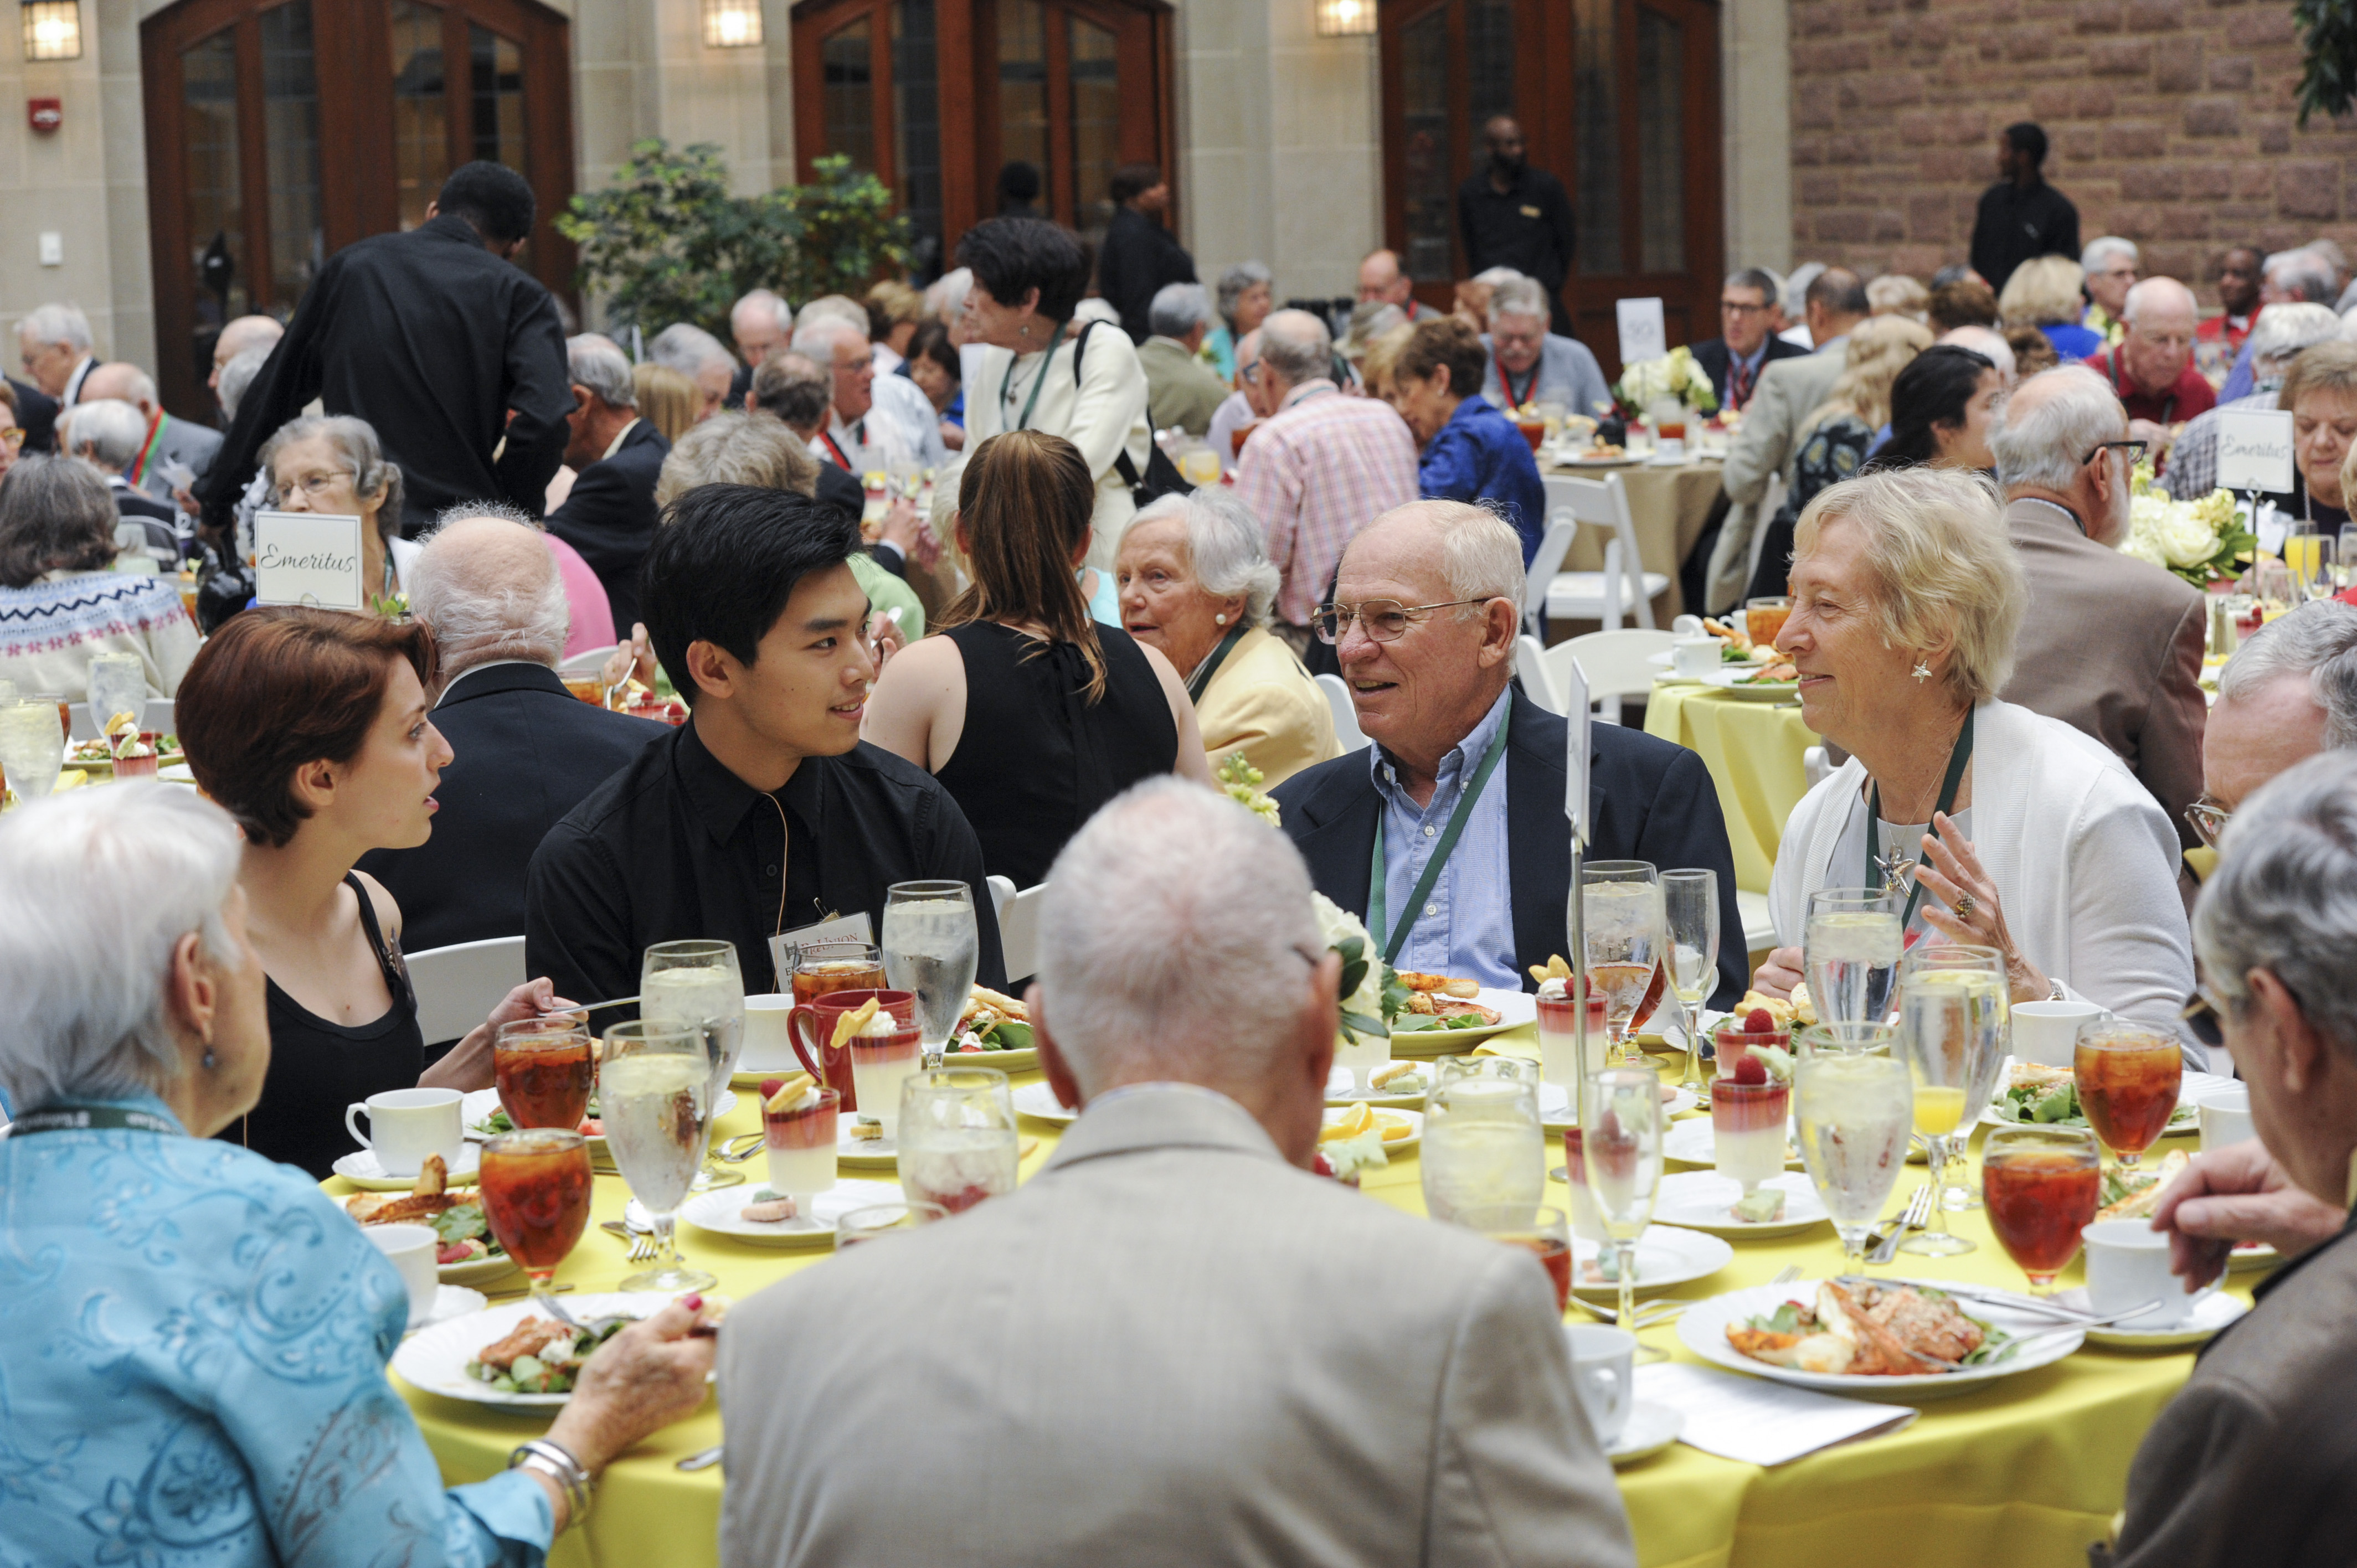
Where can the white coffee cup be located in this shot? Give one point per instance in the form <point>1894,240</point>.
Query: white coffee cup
<point>2047,1033</point>
<point>769,1047</point>
<point>2225,1117</point>
<point>2127,1265</point>
<point>1603,1369</point>
<point>411,1249</point>
<point>1694,657</point>
<point>407,1124</point>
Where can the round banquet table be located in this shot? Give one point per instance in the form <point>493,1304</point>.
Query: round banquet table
<point>1753,750</point>
<point>1668,508</point>
<point>2027,1472</point>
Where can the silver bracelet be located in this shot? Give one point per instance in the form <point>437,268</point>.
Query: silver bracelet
<point>555,1462</point>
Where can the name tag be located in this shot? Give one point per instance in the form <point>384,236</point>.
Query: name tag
<point>786,945</point>
<point>1530,211</point>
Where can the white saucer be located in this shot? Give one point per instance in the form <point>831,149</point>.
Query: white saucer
<point>477,1270</point>
<point>1703,1200</point>
<point>867,1153</point>
<point>1693,1142</point>
<point>1392,1146</point>
<point>721,1212</point>
<point>449,1302</point>
<point>1651,1428</point>
<point>1337,1087</point>
<point>361,1169</point>
<point>1666,1257</point>
<point>2211,1313</point>
<point>1037,1099</point>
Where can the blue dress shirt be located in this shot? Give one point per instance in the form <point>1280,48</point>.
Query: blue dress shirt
<point>194,1370</point>
<point>2243,380</point>
<point>1480,454</point>
<point>1472,937</point>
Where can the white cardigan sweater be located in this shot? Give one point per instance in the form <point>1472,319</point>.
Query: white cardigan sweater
<point>1102,414</point>
<point>2084,862</point>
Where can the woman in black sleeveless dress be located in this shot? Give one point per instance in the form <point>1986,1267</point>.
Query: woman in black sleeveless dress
<point>1032,715</point>
<point>309,726</point>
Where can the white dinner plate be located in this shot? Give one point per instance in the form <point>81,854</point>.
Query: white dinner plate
<point>865,1154</point>
<point>362,1169</point>
<point>1337,1087</point>
<point>435,1358</point>
<point>1515,1010</point>
<point>2192,1089</point>
<point>1039,1099</point>
<point>477,1270</point>
<point>1724,680</point>
<point>1703,1328</point>
<point>175,773</point>
<point>1692,1142</point>
<point>2213,1313</point>
<point>449,1302</point>
<point>1415,1120</point>
<point>475,1110</point>
<point>1556,1111</point>
<point>1651,1428</point>
<point>1666,1256</point>
<point>721,1213</point>
<point>1704,1201</point>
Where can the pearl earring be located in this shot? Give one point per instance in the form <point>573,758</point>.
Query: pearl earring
<point>1922,671</point>
<point>211,1062</point>
<point>1220,620</point>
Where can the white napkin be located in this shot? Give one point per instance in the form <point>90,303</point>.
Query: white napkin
<point>1758,1422</point>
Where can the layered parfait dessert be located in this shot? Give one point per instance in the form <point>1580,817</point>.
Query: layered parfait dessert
<point>797,1129</point>
<point>1751,1107</point>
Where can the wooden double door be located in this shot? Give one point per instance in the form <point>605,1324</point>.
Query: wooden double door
<point>280,131</point>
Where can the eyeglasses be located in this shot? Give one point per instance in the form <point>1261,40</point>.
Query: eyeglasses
<point>1385,620</point>
<point>2133,450</point>
<point>317,485</point>
<point>1730,308</point>
<point>13,437</point>
<point>2208,822</point>
<point>1249,372</point>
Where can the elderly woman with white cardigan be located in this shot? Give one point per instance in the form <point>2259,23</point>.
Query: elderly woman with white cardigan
<point>2024,834</point>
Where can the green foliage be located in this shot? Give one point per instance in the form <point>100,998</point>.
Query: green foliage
<point>2328,78</point>
<point>668,242</point>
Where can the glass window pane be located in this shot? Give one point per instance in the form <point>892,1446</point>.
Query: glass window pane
<point>216,215</point>
<point>496,79</point>
<point>290,108</point>
<point>1096,127</point>
<point>1430,187</point>
<point>917,127</point>
<point>1023,90</point>
<point>1598,112</point>
<point>1489,71</point>
<point>1661,141</point>
<point>421,114</point>
<point>850,76</point>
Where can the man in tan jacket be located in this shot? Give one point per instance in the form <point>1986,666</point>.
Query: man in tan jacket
<point>2111,645</point>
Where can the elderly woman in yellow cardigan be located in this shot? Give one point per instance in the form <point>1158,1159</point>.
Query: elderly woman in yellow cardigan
<point>1196,582</point>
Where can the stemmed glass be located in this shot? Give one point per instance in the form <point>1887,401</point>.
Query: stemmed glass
<point>2128,1077</point>
<point>1852,944</point>
<point>32,748</point>
<point>1952,1012</point>
<point>544,1069</point>
<point>117,684</point>
<point>1855,1112</point>
<point>1535,1228</point>
<point>535,1186</point>
<point>2309,554</point>
<point>1621,1144</point>
<point>931,946</point>
<point>2040,1185</point>
<point>1843,1040</point>
<point>956,1140</point>
<point>1623,935</point>
<point>1482,1143</point>
<point>1690,905</point>
<point>654,1096</point>
<point>697,984</point>
<point>2344,559</point>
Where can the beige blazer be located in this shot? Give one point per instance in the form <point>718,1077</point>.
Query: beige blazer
<point>2112,645</point>
<point>1263,703</point>
<point>1768,444</point>
<point>1167,1348</point>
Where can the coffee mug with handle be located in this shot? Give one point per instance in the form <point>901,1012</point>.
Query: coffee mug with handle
<point>2047,1033</point>
<point>2127,1265</point>
<point>1696,656</point>
<point>410,1249</point>
<point>407,1124</point>
<point>1603,1367</point>
<point>2225,1117</point>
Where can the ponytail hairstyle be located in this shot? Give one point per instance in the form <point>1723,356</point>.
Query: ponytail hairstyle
<point>1025,504</point>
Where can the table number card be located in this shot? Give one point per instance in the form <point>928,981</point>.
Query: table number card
<point>308,558</point>
<point>1642,334</point>
<point>2254,450</point>
<point>1576,755</point>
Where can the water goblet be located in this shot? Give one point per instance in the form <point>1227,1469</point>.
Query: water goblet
<point>655,1097</point>
<point>1851,947</point>
<point>931,946</point>
<point>1855,1112</point>
<point>1690,906</point>
<point>1623,937</point>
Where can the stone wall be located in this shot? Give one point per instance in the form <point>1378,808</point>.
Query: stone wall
<point>2172,121</point>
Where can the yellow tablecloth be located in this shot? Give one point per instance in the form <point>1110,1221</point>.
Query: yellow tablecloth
<point>2026,1473</point>
<point>1667,509</point>
<point>1753,751</point>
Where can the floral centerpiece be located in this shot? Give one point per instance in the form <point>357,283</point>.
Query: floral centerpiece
<point>1372,991</point>
<point>2200,541</point>
<point>1673,378</point>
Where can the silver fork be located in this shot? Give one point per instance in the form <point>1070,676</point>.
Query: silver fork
<point>642,1231</point>
<point>1919,1210</point>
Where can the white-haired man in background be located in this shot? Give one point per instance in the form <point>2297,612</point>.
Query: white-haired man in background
<point>872,418</point>
<point>609,514</point>
<point>1180,390</point>
<point>106,433</point>
<point>2110,263</point>
<point>761,323</point>
<point>2279,335</point>
<point>1990,345</point>
<point>1198,1351</point>
<point>526,751</point>
<point>700,358</point>
<point>53,344</point>
<point>174,454</point>
<point>2150,368</point>
<point>1530,364</point>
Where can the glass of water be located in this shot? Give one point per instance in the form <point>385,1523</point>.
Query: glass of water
<point>118,684</point>
<point>1690,903</point>
<point>655,1097</point>
<point>1855,1112</point>
<point>696,984</point>
<point>32,748</point>
<point>956,1136</point>
<point>1621,1145</point>
<point>1482,1143</point>
<point>1852,946</point>
<point>930,948</point>
<point>1622,937</point>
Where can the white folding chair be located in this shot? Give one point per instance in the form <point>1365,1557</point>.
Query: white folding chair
<point>1771,501</point>
<point>1018,933</point>
<point>1759,928</point>
<point>1540,579</point>
<point>588,658</point>
<point>1624,586</point>
<point>459,985</point>
<point>1618,664</point>
<point>1001,893</point>
<point>1346,715</point>
<point>1538,680</point>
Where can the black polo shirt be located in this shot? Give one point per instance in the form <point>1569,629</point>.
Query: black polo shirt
<point>2016,225</point>
<point>1528,227</point>
<point>675,846</point>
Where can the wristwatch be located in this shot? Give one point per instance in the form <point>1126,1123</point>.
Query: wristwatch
<point>556,1462</point>
<point>2054,992</point>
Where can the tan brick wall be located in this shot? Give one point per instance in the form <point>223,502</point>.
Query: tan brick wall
<point>2172,121</point>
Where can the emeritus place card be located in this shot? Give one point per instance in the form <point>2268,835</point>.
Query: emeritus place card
<point>1642,334</point>
<point>2254,450</point>
<point>308,558</point>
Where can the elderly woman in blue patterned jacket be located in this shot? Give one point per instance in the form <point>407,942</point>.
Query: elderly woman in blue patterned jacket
<point>194,1367</point>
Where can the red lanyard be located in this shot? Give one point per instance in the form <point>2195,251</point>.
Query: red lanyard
<point>1514,398</point>
<point>841,461</point>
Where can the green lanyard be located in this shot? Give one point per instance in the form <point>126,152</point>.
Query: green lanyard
<point>1376,918</point>
<point>1047,357</point>
<point>1201,678</point>
<point>1876,874</point>
<point>91,1119</point>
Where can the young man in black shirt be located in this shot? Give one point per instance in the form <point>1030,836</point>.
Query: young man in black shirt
<point>2021,217</point>
<point>765,812</point>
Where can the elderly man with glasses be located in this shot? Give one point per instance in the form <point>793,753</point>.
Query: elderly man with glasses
<point>2112,645</point>
<point>1448,834</point>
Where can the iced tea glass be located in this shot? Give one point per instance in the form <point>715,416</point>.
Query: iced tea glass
<point>535,1185</point>
<point>545,1068</point>
<point>2128,1077</point>
<point>1537,1230</point>
<point>822,967</point>
<point>2040,1186</point>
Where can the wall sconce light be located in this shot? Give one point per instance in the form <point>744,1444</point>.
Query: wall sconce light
<point>1345,18</point>
<point>732,23</point>
<point>53,30</point>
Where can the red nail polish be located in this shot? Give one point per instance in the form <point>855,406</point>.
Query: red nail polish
<point>693,1302</point>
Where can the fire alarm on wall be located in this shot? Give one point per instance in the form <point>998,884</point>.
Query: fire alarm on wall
<point>46,114</point>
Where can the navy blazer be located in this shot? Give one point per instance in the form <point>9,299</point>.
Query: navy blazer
<point>609,518</point>
<point>1648,800</point>
<point>527,752</point>
<point>1712,356</point>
